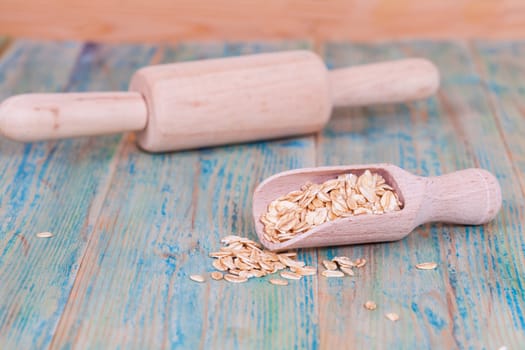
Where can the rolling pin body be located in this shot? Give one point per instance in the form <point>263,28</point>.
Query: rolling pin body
<point>220,101</point>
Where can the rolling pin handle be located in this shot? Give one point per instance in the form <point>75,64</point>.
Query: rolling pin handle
<point>38,117</point>
<point>385,82</point>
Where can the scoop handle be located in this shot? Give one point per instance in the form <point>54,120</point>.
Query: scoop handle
<point>385,82</point>
<point>468,197</point>
<point>36,117</point>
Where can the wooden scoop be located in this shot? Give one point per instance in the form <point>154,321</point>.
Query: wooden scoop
<point>468,197</point>
<point>220,101</point>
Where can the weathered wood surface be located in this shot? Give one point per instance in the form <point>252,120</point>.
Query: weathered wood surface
<point>130,227</point>
<point>57,187</point>
<point>190,200</point>
<point>475,298</point>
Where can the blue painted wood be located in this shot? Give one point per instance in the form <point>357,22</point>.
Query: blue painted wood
<point>161,218</point>
<point>488,279</point>
<point>130,227</point>
<point>55,186</point>
<point>361,136</point>
<point>502,74</point>
<point>469,302</point>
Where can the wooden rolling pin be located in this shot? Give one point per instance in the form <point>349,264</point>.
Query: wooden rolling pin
<point>218,101</point>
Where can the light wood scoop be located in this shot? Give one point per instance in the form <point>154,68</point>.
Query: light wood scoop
<point>468,197</point>
<point>218,101</point>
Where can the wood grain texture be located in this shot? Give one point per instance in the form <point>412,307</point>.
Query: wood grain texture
<point>503,76</point>
<point>176,20</point>
<point>383,82</point>
<point>32,293</point>
<point>131,227</point>
<point>134,290</point>
<point>232,100</point>
<point>495,256</point>
<point>55,187</point>
<point>472,300</point>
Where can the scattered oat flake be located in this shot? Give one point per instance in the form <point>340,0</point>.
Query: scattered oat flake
<point>347,270</point>
<point>231,239</point>
<point>370,305</point>
<point>392,316</point>
<point>278,282</point>
<point>329,265</point>
<point>290,262</point>
<point>219,254</point>
<point>426,266</point>
<point>290,275</point>
<point>219,265</point>
<point>332,273</point>
<point>235,279</point>
<point>197,278</point>
<point>360,262</point>
<point>305,271</point>
<point>216,275</point>
<point>343,261</point>
<point>44,235</point>
<point>289,254</point>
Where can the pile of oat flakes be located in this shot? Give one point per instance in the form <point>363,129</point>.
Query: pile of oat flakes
<point>297,212</point>
<point>314,204</point>
<point>241,259</point>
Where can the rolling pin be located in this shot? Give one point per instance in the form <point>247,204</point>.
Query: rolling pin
<point>218,101</point>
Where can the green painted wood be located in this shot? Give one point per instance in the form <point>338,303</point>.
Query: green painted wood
<point>161,218</point>
<point>55,186</point>
<point>474,299</point>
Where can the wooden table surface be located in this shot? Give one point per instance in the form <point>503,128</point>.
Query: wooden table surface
<point>130,227</point>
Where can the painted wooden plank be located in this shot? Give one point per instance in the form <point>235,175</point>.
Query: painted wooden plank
<point>162,216</point>
<point>164,213</point>
<point>471,300</point>
<point>22,169</point>
<point>503,75</point>
<point>360,136</point>
<point>489,273</point>
<point>55,186</point>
